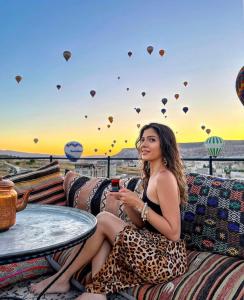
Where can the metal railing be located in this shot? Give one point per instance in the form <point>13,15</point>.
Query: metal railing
<point>210,160</point>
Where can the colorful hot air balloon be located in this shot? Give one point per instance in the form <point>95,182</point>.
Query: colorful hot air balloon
<point>163,110</point>
<point>164,101</point>
<point>35,140</point>
<point>177,96</point>
<point>208,130</point>
<point>92,93</point>
<point>150,49</point>
<point>185,83</point>
<point>73,150</point>
<point>137,109</point>
<point>67,55</point>
<point>185,109</point>
<point>143,94</point>
<point>18,78</point>
<point>203,127</point>
<point>161,52</point>
<point>58,86</point>
<point>129,53</point>
<point>240,85</point>
<point>214,145</point>
<point>110,118</point>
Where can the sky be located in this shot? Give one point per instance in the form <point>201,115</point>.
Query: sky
<point>203,43</point>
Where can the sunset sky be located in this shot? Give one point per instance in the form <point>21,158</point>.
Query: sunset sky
<point>203,43</point>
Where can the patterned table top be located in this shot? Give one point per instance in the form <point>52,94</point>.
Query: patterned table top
<point>43,229</point>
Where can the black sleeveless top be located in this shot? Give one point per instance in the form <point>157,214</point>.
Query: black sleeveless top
<point>155,207</point>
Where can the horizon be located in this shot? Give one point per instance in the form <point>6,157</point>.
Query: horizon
<point>203,44</point>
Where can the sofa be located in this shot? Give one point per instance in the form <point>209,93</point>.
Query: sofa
<point>212,226</point>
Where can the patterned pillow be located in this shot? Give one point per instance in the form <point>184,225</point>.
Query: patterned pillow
<point>15,272</point>
<point>46,182</point>
<point>90,194</point>
<point>213,219</point>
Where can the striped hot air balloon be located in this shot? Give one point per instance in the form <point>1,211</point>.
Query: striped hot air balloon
<point>214,145</point>
<point>240,85</point>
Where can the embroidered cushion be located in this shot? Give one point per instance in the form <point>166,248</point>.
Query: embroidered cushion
<point>46,182</point>
<point>213,219</point>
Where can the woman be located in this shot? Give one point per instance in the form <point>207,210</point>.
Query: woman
<point>150,251</point>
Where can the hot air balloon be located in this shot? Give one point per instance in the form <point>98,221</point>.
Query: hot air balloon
<point>185,109</point>
<point>86,116</point>
<point>95,149</point>
<point>125,141</point>
<point>208,130</point>
<point>109,150</point>
<point>129,53</point>
<point>73,150</point>
<point>114,141</point>
<point>214,145</point>
<point>203,127</point>
<point>137,109</point>
<point>127,89</point>
<point>161,52</point>
<point>112,145</point>
<point>164,101</point>
<point>143,94</point>
<point>18,78</point>
<point>67,55</point>
<point>108,126</point>
<point>138,125</point>
<point>118,77</point>
<point>92,93</point>
<point>35,140</point>
<point>185,83</point>
<point>58,86</point>
<point>177,96</point>
<point>163,110</point>
<point>99,128</point>
<point>110,118</point>
<point>150,49</point>
<point>240,85</point>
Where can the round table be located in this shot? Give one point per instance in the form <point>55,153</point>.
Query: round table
<point>41,230</point>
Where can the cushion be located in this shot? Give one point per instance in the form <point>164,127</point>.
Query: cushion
<point>210,276</point>
<point>213,219</point>
<point>46,182</point>
<point>90,193</point>
<point>14,272</point>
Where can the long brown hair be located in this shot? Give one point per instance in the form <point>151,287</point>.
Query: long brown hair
<point>170,153</point>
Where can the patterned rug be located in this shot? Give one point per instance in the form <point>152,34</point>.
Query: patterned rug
<point>22,291</point>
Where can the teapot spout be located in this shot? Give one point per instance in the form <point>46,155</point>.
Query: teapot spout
<point>21,204</point>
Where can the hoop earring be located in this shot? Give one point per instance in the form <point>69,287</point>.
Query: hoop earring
<point>165,162</point>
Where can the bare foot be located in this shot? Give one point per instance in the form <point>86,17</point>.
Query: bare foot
<point>59,286</point>
<point>91,296</point>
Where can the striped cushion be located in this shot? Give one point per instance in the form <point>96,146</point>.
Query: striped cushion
<point>90,194</point>
<point>210,276</point>
<point>46,182</point>
<point>15,272</point>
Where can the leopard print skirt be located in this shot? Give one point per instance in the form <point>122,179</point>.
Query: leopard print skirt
<point>139,256</point>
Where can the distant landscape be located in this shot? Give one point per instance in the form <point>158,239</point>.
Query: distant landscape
<point>232,148</point>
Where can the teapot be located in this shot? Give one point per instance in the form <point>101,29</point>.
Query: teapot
<point>9,204</point>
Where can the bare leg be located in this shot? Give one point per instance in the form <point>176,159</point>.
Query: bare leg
<point>108,226</point>
<point>90,296</point>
